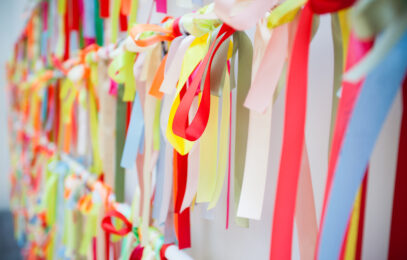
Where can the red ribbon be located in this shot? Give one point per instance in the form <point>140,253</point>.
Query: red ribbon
<point>67,32</point>
<point>175,27</point>
<point>181,126</point>
<point>123,22</point>
<point>74,15</point>
<point>294,124</point>
<point>397,247</point>
<point>162,251</point>
<point>109,228</point>
<point>104,8</point>
<point>182,172</point>
<point>329,6</point>
<point>137,253</point>
<point>183,228</point>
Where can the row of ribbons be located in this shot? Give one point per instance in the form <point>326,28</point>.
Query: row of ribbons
<point>185,105</point>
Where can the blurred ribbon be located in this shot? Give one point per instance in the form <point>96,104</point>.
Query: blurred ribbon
<point>358,145</point>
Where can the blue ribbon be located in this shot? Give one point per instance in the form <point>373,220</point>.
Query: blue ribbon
<point>44,43</point>
<point>44,105</point>
<point>134,135</point>
<point>376,97</point>
<point>89,19</point>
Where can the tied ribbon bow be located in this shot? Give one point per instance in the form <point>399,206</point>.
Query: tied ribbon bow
<point>160,33</point>
<point>109,228</point>
<point>195,129</point>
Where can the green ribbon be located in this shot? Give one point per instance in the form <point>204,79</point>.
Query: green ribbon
<point>245,50</point>
<point>338,69</point>
<point>121,114</point>
<point>98,24</point>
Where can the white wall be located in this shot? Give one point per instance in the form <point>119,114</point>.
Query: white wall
<point>11,23</point>
<point>210,240</point>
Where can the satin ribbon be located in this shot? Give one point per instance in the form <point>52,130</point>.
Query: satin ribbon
<point>88,20</point>
<point>121,71</point>
<point>160,181</point>
<point>162,251</point>
<point>182,171</point>
<point>114,21</point>
<point>194,130</point>
<point>241,114</point>
<point>193,171</point>
<point>193,56</point>
<point>137,253</point>
<point>160,34</point>
<point>265,81</point>
<point>158,79</point>
<point>268,62</point>
<point>94,125</point>
<point>293,140</point>
<point>107,123</point>
<point>183,229</point>
<point>356,51</point>
<point>149,105</point>
<point>329,6</point>
<point>121,111</point>
<point>109,228</point>
<point>305,213</point>
<point>223,146</point>
<point>358,144</point>
<point>208,155</point>
<point>104,8</point>
<point>398,223</point>
<point>339,59</point>
<point>133,136</point>
<point>212,152</point>
<point>181,219</point>
<point>161,6</point>
<point>242,15</point>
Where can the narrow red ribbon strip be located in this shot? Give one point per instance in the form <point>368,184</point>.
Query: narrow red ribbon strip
<point>294,128</point>
<point>182,173</point>
<point>74,15</point>
<point>123,22</point>
<point>67,32</point>
<point>184,230</point>
<point>137,253</point>
<point>104,8</point>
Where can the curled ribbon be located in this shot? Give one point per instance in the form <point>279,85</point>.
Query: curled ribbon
<point>180,126</point>
<point>109,228</point>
